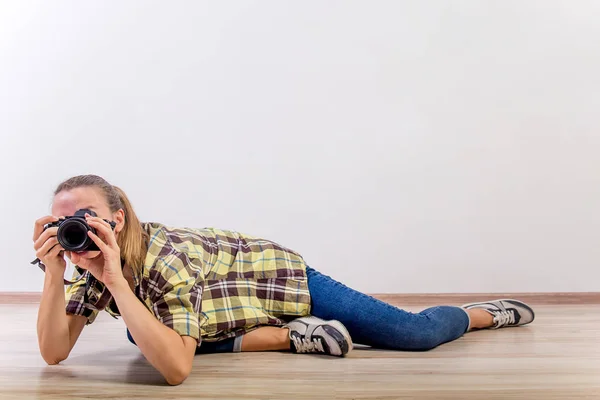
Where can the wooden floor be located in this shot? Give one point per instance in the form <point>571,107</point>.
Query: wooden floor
<point>557,357</point>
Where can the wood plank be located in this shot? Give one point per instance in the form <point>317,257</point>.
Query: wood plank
<point>556,357</point>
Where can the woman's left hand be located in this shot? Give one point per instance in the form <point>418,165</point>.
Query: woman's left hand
<point>106,267</point>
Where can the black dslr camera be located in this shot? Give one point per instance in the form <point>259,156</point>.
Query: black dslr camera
<point>73,231</point>
<point>72,235</point>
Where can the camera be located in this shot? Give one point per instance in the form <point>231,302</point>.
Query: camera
<point>73,231</point>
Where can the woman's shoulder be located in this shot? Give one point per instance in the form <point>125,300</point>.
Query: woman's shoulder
<point>178,234</point>
<point>168,251</point>
<point>166,239</point>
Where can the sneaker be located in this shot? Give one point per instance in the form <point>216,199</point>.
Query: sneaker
<point>506,312</point>
<point>314,335</point>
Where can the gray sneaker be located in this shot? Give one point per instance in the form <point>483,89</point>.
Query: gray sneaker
<point>314,335</point>
<point>506,312</point>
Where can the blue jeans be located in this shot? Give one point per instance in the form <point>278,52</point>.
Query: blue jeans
<point>377,324</point>
<point>371,321</point>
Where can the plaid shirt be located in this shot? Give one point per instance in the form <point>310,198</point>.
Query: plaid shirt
<point>208,283</point>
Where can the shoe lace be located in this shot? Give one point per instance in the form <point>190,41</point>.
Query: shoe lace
<point>503,318</point>
<point>305,345</point>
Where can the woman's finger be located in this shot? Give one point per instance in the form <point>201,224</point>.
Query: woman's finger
<point>39,225</point>
<point>44,237</point>
<point>104,248</point>
<point>98,219</point>
<point>47,246</point>
<point>55,252</point>
<point>104,230</point>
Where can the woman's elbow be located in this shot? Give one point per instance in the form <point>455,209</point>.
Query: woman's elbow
<point>53,356</point>
<point>51,353</point>
<point>176,379</point>
<point>52,359</point>
<point>177,376</point>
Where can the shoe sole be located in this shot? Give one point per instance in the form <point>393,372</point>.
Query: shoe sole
<point>338,326</point>
<point>525,306</point>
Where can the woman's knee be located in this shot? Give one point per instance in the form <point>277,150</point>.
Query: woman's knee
<point>424,333</point>
<point>426,340</point>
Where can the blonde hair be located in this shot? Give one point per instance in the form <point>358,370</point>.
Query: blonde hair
<point>132,239</point>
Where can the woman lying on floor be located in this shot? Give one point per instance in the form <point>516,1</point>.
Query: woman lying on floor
<point>184,291</point>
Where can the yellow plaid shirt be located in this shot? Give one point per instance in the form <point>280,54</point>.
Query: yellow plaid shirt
<point>208,283</point>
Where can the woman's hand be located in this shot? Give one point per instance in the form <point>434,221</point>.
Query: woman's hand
<point>106,267</point>
<point>47,248</point>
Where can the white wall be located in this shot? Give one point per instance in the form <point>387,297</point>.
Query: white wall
<point>400,146</point>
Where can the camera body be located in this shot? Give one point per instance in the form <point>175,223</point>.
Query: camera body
<point>73,231</point>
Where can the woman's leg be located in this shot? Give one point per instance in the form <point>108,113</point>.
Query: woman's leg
<point>268,338</point>
<point>375,323</point>
<point>372,322</point>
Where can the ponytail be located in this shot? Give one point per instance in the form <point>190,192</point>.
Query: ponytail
<point>132,240</point>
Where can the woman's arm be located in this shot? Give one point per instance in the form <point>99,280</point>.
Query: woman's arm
<point>171,354</point>
<point>57,331</point>
<point>168,351</point>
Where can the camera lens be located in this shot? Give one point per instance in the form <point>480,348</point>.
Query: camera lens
<point>72,235</point>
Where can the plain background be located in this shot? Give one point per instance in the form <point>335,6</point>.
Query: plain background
<point>400,146</point>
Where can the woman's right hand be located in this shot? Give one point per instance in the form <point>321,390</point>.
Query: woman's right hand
<point>47,248</point>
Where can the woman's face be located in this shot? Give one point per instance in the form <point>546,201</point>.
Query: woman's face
<point>67,202</point>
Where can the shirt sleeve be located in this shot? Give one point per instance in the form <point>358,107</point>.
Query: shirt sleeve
<point>75,299</point>
<point>176,294</point>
